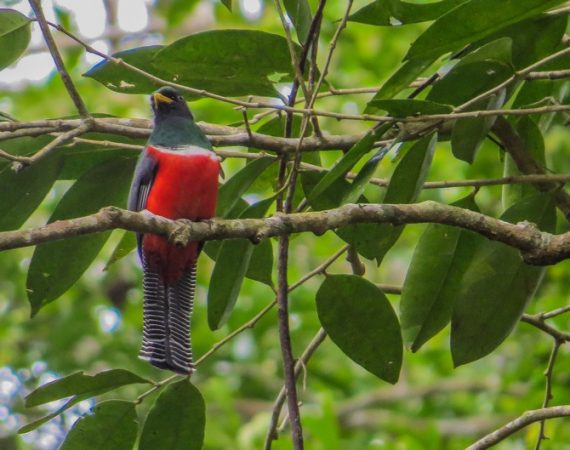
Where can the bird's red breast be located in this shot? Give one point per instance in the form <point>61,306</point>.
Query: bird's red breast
<point>185,187</point>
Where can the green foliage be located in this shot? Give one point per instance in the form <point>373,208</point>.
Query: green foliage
<point>374,241</point>
<point>448,275</point>
<point>22,192</point>
<point>15,34</point>
<point>217,61</point>
<point>111,426</point>
<point>176,421</point>
<point>434,277</point>
<point>471,21</point>
<point>496,287</point>
<point>82,385</point>
<point>57,265</point>
<point>350,310</point>
<point>299,12</point>
<point>397,12</point>
<point>232,262</point>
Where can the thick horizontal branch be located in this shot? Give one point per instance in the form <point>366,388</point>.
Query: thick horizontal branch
<point>536,247</point>
<point>512,427</point>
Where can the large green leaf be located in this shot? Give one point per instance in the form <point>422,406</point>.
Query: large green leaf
<point>219,61</point>
<point>22,192</point>
<point>361,322</point>
<point>232,262</point>
<point>497,287</point>
<point>15,33</point>
<point>111,425</point>
<point>466,81</point>
<point>57,265</point>
<point>441,257</point>
<point>176,420</point>
<point>397,12</point>
<point>231,191</point>
<point>79,386</point>
<point>373,241</point>
<point>471,21</point>
<point>299,12</point>
<point>120,79</point>
<point>532,39</point>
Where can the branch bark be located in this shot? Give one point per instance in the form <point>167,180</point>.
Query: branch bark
<point>536,247</point>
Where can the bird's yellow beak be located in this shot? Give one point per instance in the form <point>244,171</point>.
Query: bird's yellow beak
<point>159,98</point>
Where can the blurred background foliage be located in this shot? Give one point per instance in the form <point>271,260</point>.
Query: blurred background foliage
<point>96,325</point>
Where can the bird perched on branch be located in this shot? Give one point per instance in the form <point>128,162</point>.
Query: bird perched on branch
<point>176,177</point>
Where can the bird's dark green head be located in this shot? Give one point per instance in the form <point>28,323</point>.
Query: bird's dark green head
<point>173,122</point>
<point>167,102</point>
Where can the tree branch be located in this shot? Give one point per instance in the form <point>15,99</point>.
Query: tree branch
<point>526,419</point>
<point>536,247</point>
<point>72,91</point>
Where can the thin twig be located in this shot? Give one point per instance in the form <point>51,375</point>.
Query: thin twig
<point>537,322</point>
<point>280,400</point>
<point>548,389</point>
<point>22,161</point>
<point>555,312</point>
<point>523,421</point>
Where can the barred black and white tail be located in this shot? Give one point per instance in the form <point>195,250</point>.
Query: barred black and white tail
<point>167,311</point>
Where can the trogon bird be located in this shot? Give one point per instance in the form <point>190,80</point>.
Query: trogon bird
<point>176,177</point>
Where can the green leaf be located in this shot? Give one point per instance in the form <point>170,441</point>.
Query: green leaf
<point>468,135</point>
<point>176,420</point>
<point>402,78</point>
<point>299,12</point>
<point>533,141</point>
<point>361,322</point>
<point>441,257</point>
<point>120,79</point>
<point>260,266</point>
<point>81,384</point>
<point>361,180</point>
<point>15,33</point>
<point>232,190</point>
<point>497,287</point>
<point>397,12</point>
<point>407,107</point>
<point>125,246</point>
<point>220,61</point>
<point>111,425</point>
<point>373,242</point>
<point>347,162</point>
<point>22,192</point>
<point>81,387</point>
<point>232,263</point>
<point>227,4</point>
<point>217,61</point>
<point>471,21</point>
<point>466,81</point>
<point>57,265</point>
<point>532,39</point>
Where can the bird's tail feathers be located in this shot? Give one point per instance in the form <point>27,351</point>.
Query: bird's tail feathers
<point>167,311</point>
